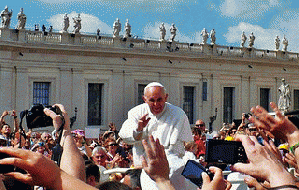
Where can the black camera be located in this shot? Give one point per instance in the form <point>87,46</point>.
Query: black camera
<point>193,170</point>
<point>247,115</point>
<point>35,116</point>
<point>228,152</point>
<point>6,168</point>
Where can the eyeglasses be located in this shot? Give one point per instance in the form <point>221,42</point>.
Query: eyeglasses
<point>200,125</point>
<point>252,129</point>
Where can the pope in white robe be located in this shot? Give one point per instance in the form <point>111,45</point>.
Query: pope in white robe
<point>164,121</point>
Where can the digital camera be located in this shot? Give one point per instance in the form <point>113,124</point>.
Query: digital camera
<point>228,152</point>
<point>35,116</point>
<point>193,170</point>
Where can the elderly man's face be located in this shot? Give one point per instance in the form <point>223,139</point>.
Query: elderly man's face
<point>155,97</point>
<point>100,158</point>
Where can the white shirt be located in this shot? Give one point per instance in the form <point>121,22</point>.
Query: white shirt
<point>171,127</point>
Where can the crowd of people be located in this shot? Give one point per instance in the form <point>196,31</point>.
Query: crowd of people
<point>148,152</point>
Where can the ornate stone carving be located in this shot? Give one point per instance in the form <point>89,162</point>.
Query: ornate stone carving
<point>21,19</point>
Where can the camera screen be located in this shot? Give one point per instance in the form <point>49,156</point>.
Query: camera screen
<point>228,152</point>
<point>223,153</point>
<point>192,171</point>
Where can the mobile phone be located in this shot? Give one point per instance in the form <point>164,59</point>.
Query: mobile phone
<point>5,168</point>
<point>228,152</point>
<point>193,170</point>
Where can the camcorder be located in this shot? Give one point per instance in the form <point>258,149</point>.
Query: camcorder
<point>35,116</point>
<point>219,153</point>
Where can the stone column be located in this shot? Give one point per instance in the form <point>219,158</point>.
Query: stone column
<point>116,98</point>
<point>78,98</point>
<point>66,88</point>
<point>22,36</point>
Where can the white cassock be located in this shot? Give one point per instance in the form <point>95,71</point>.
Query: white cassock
<point>171,127</point>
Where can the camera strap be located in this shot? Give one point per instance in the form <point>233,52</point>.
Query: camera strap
<point>21,129</point>
<point>58,149</point>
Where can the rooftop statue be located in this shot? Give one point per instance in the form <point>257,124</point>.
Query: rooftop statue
<point>162,32</point>
<point>66,23</point>
<point>284,101</point>
<point>6,17</point>
<point>243,38</point>
<point>77,22</point>
<point>285,44</point>
<point>172,32</point>
<point>277,43</point>
<point>116,28</point>
<point>251,40</point>
<point>213,36</point>
<point>205,36</point>
<point>21,19</point>
<point>127,29</point>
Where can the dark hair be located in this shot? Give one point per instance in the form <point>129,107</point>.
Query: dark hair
<point>92,170</point>
<point>113,185</point>
<point>196,131</point>
<point>134,177</point>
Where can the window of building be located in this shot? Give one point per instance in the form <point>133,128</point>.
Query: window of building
<point>296,99</point>
<point>94,103</point>
<point>41,93</point>
<point>265,98</point>
<point>140,93</point>
<point>204,91</point>
<point>188,102</point>
<point>228,104</point>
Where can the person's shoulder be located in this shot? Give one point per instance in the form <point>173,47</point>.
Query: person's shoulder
<point>175,109</point>
<point>138,109</point>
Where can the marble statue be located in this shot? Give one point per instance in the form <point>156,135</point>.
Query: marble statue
<point>213,36</point>
<point>127,29</point>
<point>6,17</point>
<point>251,40</point>
<point>205,36</point>
<point>277,43</point>
<point>284,101</point>
<point>172,32</point>
<point>77,24</point>
<point>66,23</point>
<point>285,44</point>
<point>21,19</point>
<point>162,32</point>
<point>116,28</point>
<point>243,38</point>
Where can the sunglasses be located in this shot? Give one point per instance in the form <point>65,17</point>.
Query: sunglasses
<point>114,144</point>
<point>200,125</point>
<point>252,130</point>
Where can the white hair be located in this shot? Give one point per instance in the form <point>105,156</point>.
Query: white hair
<point>97,149</point>
<point>153,84</point>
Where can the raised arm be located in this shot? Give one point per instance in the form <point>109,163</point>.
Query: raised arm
<point>71,160</point>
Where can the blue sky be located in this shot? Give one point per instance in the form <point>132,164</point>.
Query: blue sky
<point>265,18</point>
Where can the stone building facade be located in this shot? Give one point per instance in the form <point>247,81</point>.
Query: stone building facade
<point>104,76</point>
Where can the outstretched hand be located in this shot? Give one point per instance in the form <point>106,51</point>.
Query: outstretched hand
<point>41,170</point>
<point>262,163</point>
<point>217,183</point>
<point>280,126</point>
<point>59,119</point>
<point>157,166</point>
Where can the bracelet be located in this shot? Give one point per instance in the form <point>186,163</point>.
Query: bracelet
<point>293,148</point>
<point>284,187</point>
